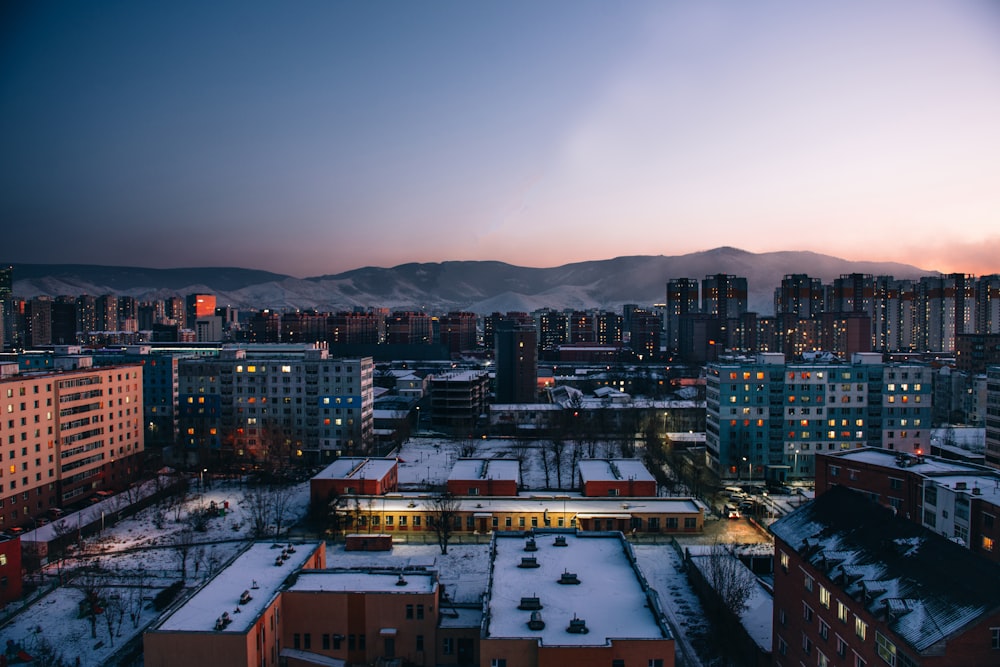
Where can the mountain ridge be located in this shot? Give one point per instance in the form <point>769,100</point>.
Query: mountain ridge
<point>480,286</point>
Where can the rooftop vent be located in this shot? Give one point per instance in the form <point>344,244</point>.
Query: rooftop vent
<point>577,626</point>
<point>528,561</point>
<point>560,541</point>
<point>401,581</point>
<point>530,604</point>
<point>961,486</point>
<point>245,597</point>
<point>223,621</point>
<point>536,622</point>
<point>568,577</point>
<point>279,561</point>
<point>530,545</point>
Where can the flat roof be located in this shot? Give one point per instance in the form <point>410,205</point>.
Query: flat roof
<point>613,470</point>
<point>473,469</point>
<point>254,571</point>
<point>529,503</point>
<point>348,467</point>
<point>364,581</point>
<point>611,596</point>
<point>924,465</point>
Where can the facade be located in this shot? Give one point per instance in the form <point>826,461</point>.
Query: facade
<point>767,419</point>
<point>540,605</point>
<point>959,501</point>
<point>516,357</point>
<point>11,581</point>
<point>615,477</point>
<point>207,630</point>
<point>403,514</point>
<point>682,299</point>
<point>354,475</point>
<point>67,434</point>
<point>276,403</point>
<point>856,584</point>
<point>993,416</point>
<point>458,399</point>
<point>458,332</point>
<point>484,477</point>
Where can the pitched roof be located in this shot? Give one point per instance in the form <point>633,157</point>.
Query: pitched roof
<point>925,587</point>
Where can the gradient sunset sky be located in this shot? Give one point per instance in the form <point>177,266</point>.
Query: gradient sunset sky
<point>311,138</point>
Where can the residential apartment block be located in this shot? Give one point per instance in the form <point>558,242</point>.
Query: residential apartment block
<point>960,501</point>
<point>766,419</point>
<point>856,584</point>
<point>274,402</point>
<point>65,434</point>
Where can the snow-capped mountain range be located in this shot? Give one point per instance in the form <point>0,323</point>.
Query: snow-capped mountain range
<point>477,286</point>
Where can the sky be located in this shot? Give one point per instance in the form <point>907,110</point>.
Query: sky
<point>315,137</point>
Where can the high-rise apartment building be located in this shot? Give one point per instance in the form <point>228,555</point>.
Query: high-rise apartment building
<point>354,328</point>
<point>766,419</point>
<point>944,308</point>
<point>516,356</point>
<point>408,328</point>
<point>682,299</point>
<point>724,296</point>
<point>799,295</point>
<point>988,304</point>
<point>458,332</point>
<point>275,403</point>
<point>67,434</point>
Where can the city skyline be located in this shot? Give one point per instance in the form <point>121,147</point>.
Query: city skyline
<point>343,135</point>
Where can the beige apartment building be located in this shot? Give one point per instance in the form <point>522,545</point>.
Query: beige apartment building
<point>66,434</point>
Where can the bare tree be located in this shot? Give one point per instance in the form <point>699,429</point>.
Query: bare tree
<point>733,584</point>
<point>92,588</point>
<point>257,509</point>
<point>443,514</point>
<point>183,542</point>
<point>281,500</point>
<point>136,591</point>
<point>62,530</point>
<point>114,614</point>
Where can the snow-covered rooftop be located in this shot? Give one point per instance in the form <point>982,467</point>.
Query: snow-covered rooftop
<point>925,465</point>
<point>471,469</point>
<point>524,502</point>
<point>253,571</point>
<point>931,587</point>
<point>364,581</point>
<point>356,468</point>
<point>612,470</point>
<point>611,596</point>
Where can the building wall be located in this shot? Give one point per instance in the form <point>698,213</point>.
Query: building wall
<point>184,649</point>
<point>482,487</point>
<point>11,583</point>
<point>362,615</point>
<point>619,487</point>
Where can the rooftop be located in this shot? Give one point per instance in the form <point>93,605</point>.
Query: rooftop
<point>356,468</point>
<point>925,587</point>
<point>254,572</point>
<point>611,470</point>
<point>365,581</point>
<point>612,596</point>
<point>529,502</point>
<point>470,469</point>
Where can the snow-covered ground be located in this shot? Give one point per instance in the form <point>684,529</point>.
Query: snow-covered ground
<point>135,559</point>
<point>132,558</point>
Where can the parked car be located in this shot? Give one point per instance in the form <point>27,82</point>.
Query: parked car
<point>732,512</point>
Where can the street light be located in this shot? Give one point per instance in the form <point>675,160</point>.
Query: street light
<point>795,467</point>
<point>738,472</point>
